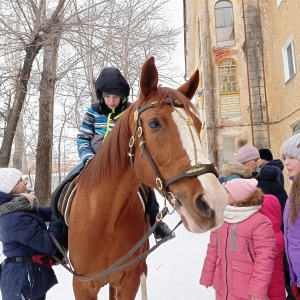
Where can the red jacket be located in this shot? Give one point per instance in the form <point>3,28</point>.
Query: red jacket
<point>240,259</point>
<point>271,208</point>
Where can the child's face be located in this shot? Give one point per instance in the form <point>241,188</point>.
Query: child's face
<point>292,165</point>
<point>112,101</point>
<point>21,187</point>
<point>252,164</point>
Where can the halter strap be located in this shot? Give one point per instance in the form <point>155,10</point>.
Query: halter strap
<point>193,171</point>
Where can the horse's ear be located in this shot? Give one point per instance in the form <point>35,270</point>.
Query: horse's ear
<point>190,87</point>
<point>149,78</point>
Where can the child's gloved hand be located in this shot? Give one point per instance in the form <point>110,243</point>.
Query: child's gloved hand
<point>296,291</point>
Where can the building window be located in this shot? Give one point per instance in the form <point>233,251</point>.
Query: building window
<point>296,128</point>
<point>224,24</point>
<point>228,77</point>
<point>229,89</point>
<point>289,63</point>
<point>229,150</point>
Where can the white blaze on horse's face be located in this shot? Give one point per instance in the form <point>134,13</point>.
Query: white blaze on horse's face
<point>214,194</point>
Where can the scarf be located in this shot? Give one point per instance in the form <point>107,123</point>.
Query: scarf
<point>233,214</point>
<point>22,202</point>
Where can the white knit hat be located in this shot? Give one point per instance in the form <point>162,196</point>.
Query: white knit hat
<point>291,147</point>
<point>240,188</point>
<point>9,177</point>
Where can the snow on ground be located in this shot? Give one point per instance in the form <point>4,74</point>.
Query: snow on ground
<point>173,270</point>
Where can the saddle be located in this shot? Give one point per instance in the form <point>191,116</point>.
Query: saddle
<point>61,198</point>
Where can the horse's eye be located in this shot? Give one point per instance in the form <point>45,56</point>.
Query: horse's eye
<point>154,124</point>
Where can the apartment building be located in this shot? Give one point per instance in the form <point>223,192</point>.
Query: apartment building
<point>247,53</point>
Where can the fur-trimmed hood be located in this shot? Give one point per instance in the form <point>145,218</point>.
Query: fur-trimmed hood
<point>236,168</point>
<point>256,198</point>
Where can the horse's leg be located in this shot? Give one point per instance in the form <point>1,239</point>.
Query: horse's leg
<point>129,285</point>
<point>144,287</point>
<point>85,290</point>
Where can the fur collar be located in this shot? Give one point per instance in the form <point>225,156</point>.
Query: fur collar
<point>236,168</point>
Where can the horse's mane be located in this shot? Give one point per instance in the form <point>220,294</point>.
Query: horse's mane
<point>113,155</point>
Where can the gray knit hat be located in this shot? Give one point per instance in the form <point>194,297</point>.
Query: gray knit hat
<point>246,152</point>
<point>9,177</point>
<point>291,147</point>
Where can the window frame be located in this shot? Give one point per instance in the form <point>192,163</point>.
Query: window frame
<point>225,35</point>
<point>286,59</point>
<point>295,128</point>
<point>227,75</point>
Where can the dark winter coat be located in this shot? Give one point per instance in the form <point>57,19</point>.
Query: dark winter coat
<point>278,163</point>
<point>24,233</point>
<point>269,183</point>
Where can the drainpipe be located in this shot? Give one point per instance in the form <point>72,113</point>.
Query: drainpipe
<point>207,69</point>
<point>184,39</point>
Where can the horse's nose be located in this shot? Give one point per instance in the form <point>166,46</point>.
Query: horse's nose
<point>203,207</point>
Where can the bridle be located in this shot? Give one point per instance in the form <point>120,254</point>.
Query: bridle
<point>193,171</point>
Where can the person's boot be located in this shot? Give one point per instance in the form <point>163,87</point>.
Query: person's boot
<point>152,209</point>
<point>162,231</point>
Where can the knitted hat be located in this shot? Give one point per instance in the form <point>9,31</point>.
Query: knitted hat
<point>291,147</point>
<point>9,177</point>
<point>246,152</point>
<point>265,154</point>
<point>240,188</point>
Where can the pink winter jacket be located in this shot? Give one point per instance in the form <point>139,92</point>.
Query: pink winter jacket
<point>272,209</point>
<point>240,259</point>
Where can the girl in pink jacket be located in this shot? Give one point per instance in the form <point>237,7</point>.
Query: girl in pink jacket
<point>240,257</point>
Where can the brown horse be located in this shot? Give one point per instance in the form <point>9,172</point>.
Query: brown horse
<point>156,142</point>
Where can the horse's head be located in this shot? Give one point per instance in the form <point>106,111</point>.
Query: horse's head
<point>167,154</point>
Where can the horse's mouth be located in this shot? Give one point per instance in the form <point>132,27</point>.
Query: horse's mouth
<point>192,224</point>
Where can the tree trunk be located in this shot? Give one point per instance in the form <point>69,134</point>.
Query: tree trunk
<point>19,145</point>
<point>21,89</point>
<point>46,112</point>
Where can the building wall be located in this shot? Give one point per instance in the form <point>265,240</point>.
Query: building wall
<point>283,97</point>
<point>282,104</point>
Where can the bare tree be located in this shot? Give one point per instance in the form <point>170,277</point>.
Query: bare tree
<point>31,44</point>
<point>46,111</point>
<point>89,36</point>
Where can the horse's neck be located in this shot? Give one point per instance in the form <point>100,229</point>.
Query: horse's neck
<point>121,188</point>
